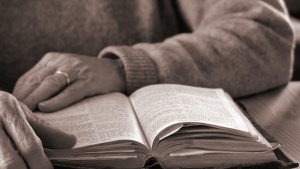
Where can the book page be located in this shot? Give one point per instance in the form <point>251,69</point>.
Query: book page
<point>160,106</point>
<point>98,119</point>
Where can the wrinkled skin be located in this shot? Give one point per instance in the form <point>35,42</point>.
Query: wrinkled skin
<point>22,136</point>
<point>43,88</point>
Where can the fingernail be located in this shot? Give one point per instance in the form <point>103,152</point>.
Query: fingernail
<point>42,106</point>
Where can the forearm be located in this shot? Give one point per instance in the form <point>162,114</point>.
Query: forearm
<point>244,47</point>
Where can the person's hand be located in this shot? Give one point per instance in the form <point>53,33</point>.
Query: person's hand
<point>20,147</point>
<point>48,89</point>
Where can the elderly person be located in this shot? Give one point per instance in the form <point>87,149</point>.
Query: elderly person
<point>22,136</point>
<point>244,47</point>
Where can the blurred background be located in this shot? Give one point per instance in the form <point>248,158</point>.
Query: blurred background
<point>294,9</point>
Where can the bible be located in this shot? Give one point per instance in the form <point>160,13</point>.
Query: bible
<point>178,126</point>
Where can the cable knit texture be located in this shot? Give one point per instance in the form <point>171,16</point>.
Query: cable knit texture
<point>242,46</point>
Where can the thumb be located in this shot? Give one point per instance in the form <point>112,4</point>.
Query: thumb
<point>51,137</point>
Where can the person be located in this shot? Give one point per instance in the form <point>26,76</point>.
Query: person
<point>244,47</point>
<point>22,136</point>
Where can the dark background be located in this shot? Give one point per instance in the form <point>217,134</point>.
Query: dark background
<point>294,9</point>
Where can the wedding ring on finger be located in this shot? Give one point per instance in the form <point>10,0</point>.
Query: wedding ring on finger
<point>65,74</point>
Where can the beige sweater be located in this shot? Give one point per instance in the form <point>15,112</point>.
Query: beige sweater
<point>242,46</point>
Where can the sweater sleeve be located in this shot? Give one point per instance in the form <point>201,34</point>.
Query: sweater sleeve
<point>244,47</point>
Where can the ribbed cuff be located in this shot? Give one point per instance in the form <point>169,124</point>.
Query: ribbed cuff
<point>139,69</point>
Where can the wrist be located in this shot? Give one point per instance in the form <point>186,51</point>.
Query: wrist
<point>119,75</point>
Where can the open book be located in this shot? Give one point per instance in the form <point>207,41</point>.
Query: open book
<point>180,126</point>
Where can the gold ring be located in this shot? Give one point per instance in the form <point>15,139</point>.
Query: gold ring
<point>65,74</point>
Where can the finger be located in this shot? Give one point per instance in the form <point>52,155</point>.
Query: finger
<point>21,81</point>
<point>27,143</point>
<point>43,63</point>
<point>71,94</point>
<point>30,81</point>
<point>48,88</point>
<point>51,137</point>
<point>9,158</point>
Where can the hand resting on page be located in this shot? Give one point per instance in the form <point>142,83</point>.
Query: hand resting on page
<point>60,79</point>
<point>22,136</point>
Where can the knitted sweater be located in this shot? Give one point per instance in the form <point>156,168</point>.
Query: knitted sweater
<point>242,46</point>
